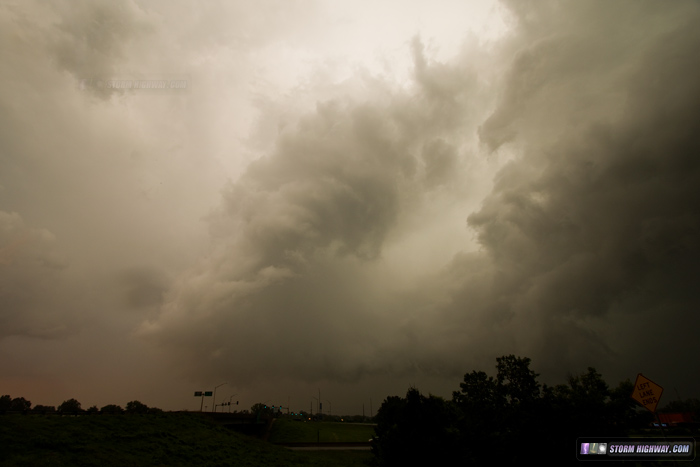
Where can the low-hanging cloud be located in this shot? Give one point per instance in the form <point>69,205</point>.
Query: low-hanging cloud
<point>302,213</point>
<point>593,230</point>
<point>591,225</point>
<point>294,280</point>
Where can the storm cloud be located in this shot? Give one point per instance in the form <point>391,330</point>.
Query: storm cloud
<point>31,277</point>
<point>594,226</point>
<point>319,211</point>
<point>298,242</point>
<point>590,226</point>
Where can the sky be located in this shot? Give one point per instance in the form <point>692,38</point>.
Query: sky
<point>345,199</point>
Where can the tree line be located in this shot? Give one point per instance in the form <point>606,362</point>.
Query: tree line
<point>71,407</point>
<point>503,419</point>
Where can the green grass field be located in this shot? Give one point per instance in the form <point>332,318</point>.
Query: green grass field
<point>290,431</point>
<point>169,439</point>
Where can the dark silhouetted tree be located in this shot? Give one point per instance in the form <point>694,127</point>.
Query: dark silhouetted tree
<point>111,409</point>
<point>626,413</point>
<point>5,403</point>
<point>586,407</point>
<point>480,406</point>
<point>136,407</point>
<point>71,406</point>
<point>501,419</point>
<point>20,404</point>
<point>516,382</point>
<point>388,442</point>
<point>43,409</point>
<point>417,430</point>
<point>496,412</point>
<point>261,408</point>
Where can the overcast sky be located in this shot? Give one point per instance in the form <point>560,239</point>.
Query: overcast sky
<point>351,196</point>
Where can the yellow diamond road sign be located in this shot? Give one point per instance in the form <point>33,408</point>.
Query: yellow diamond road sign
<point>647,392</point>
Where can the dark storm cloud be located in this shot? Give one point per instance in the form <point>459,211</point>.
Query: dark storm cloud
<point>596,224</point>
<point>294,280</point>
<point>335,180</point>
<point>531,195</point>
<point>589,231</point>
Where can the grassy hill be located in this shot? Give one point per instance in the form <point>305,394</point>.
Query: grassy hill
<point>290,431</point>
<point>168,439</point>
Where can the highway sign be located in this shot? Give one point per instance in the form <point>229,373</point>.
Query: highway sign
<point>647,392</point>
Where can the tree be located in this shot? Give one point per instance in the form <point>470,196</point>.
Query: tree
<point>5,403</point>
<point>516,382</point>
<point>479,398</point>
<point>626,414</point>
<point>111,409</point>
<point>261,409</point>
<point>20,404</point>
<point>43,409</point>
<point>501,419</point>
<point>498,411</point>
<point>589,396</point>
<point>136,407</point>
<point>71,406</point>
<point>416,430</point>
<point>389,445</point>
<point>586,405</point>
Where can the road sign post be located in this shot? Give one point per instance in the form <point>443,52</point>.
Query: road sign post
<point>202,394</point>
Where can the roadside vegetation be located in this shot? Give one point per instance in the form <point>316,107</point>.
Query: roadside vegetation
<point>504,419</point>
<point>163,439</point>
<point>509,419</point>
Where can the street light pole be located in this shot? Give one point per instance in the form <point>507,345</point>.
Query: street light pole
<point>214,403</point>
<point>318,401</point>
